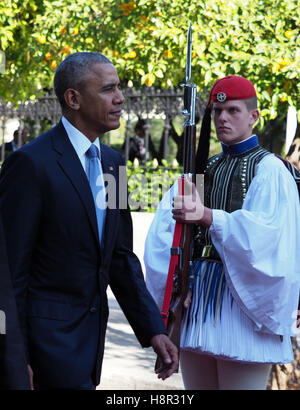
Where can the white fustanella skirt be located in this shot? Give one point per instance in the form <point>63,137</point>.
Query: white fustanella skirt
<point>215,324</point>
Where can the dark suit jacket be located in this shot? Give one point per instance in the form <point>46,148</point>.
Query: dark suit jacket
<point>13,365</point>
<point>59,272</point>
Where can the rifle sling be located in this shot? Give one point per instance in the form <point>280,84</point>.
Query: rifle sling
<point>175,259</point>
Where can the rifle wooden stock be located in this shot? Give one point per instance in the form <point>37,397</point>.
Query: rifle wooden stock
<point>181,286</point>
<point>182,270</point>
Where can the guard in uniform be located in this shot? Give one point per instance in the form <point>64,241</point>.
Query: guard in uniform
<point>245,270</point>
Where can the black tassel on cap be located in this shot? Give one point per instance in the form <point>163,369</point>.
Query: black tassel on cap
<point>204,142</point>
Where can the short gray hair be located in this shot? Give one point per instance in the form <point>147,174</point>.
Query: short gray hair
<point>71,72</point>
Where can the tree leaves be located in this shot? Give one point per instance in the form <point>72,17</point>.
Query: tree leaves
<point>146,40</point>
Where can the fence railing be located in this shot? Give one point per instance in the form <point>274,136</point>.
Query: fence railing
<point>145,104</point>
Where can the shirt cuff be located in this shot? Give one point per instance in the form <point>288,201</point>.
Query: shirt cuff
<point>218,222</point>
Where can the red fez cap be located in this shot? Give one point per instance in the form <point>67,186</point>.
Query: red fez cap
<point>231,88</point>
<point>225,89</point>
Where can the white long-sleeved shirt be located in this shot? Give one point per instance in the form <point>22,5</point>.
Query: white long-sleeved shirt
<point>258,244</point>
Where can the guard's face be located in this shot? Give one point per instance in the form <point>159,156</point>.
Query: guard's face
<point>233,121</point>
<point>101,99</point>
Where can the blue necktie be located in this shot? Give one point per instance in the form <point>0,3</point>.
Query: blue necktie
<point>95,177</point>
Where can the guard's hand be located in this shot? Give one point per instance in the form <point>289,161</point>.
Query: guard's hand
<point>167,355</point>
<point>188,299</point>
<point>188,208</point>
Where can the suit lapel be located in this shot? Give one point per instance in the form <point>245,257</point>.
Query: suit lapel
<point>71,166</point>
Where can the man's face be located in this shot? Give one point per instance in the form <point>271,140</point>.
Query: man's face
<point>233,121</point>
<point>100,100</point>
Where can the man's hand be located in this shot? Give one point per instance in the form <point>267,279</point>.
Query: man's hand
<point>189,208</point>
<point>30,372</point>
<point>167,355</point>
<point>188,299</point>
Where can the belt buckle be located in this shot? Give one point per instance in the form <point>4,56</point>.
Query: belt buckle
<point>206,251</point>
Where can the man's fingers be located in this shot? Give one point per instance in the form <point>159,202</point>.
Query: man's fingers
<point>167,356</point>
<point>164,354</point>
<point>178,202</point>
<point>30,372</point>
<point>166,370</point>
<point>187,187</point>
<point>188,299</point>
<point>186,202</point>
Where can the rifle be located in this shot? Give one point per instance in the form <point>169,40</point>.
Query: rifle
<point>177,285</point>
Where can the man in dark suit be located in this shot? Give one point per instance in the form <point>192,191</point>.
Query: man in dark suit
<point>63,251</point>
<point>13,366</point>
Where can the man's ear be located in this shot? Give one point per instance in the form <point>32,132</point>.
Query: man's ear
<point>254,116</point>
<point>72,99</point>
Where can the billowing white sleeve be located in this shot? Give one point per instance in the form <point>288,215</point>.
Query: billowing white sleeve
<point>157,247</point>
<point>260,248</point>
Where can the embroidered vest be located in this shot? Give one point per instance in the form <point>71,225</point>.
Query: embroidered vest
<point>227,178</point>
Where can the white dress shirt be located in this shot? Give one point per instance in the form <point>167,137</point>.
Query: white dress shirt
<point>80,142</point>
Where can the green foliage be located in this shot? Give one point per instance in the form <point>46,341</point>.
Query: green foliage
<point>146,40</point>
<point>146,185</point>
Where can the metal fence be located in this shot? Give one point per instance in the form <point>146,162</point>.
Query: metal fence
<point>146,103</point>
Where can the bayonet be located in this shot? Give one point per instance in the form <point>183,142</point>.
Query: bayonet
<point>188,68</point>
<point>190,90</point>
